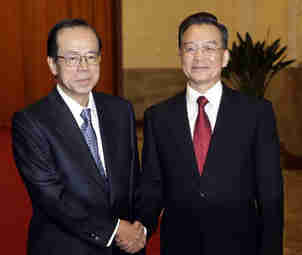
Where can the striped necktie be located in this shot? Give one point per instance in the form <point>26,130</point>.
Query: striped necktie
<point>91,140</point>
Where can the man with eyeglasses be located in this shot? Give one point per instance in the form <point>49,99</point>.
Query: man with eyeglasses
<point>76,151</point>
<point>211,158</point>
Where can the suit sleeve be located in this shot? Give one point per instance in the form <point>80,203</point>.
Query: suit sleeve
<point>36,164</point>
<point>269,183</point>
<point>135,166</point>
<point>150,187</point>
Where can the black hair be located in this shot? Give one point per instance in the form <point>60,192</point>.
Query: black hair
<point>199,19</point>
<point>52,43</point>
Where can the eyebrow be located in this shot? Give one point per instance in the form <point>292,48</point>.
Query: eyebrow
<point>203,42</point>
<point>78,53</point>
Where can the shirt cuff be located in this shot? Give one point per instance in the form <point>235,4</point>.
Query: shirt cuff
<point>113,234</point>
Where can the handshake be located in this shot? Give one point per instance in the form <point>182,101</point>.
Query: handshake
<point>130,237</point>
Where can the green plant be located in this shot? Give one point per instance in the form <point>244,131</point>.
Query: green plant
<point>253,65</point>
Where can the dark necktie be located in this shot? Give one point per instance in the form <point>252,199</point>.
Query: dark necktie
<point>91,140</point>
<point>202,134</point>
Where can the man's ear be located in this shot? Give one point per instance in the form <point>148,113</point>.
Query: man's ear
<point>179,52</point>
<point>52,65</point>
<point>226,58</point>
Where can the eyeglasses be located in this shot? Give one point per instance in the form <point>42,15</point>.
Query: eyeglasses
<point>75,60</point>
<point>209,50</point>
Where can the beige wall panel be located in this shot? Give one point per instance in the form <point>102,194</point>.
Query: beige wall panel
<point>149,28</point>
<point>273,16</point>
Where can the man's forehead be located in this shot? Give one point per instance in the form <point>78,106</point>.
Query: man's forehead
<point>75,32</point>
<point>206,33</point>
<point>77,38</point>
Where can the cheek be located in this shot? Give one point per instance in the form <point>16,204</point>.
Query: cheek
<point>94,78</point>
<point>217,64</point>
<point>66,77</point>
<point>186,63</point>
<point>96,74</point>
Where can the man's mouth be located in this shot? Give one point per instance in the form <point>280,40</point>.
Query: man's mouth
<point>200,67</point>
<point>82,80</point>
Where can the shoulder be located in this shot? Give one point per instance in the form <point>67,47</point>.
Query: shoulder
<point>38,109</point>
<point>113,104</point>
<point>32,119</point>
<point>245,102</point>
<point>168,105</point>
<point>102,98</point>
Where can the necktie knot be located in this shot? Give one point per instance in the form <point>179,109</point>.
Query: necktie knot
<point>202,101</point>
<point>86,115</point>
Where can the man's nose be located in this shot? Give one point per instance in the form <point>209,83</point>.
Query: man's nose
<point>83,64</point>
<point>200,51</point>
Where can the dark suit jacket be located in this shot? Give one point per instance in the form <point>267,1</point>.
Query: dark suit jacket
<point>236,206</point>
<point>72,212</point>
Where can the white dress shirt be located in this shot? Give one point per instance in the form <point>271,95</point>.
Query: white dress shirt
<point>213,96</point>
<point>76,110</point>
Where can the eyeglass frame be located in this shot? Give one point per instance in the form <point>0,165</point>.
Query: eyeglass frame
<point>206,49</point>
<point>80,59</point>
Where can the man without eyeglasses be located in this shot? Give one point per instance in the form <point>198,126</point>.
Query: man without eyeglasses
<point>76,151</point>
<point>211,158</point>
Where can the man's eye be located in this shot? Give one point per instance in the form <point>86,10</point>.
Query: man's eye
<point>72,58</point>
<point>210,49</point>
<point>92,57</point>
<point>190,49</point>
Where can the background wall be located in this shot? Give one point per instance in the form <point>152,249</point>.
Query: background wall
<point>24,26</point>
<point>151,63</point>
<point>149,28</point>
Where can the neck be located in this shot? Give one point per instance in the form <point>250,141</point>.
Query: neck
<point>81,99</point>
<point>201,87</point>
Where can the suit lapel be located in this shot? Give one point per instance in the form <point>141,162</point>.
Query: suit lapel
<point>71,134</point>
<point>223,124</point>
<point>224,110</point>
<point>180,125</point>
<point>180,128</point>
<point>109,141</point>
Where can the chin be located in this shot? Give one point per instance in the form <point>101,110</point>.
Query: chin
<point>200,81</point>
<point>85,87</point>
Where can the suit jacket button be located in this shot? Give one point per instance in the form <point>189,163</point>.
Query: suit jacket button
<point>96,238</point>
<point>202,194</point>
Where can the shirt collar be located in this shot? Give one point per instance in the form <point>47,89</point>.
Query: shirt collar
<point>213,94</point>
<point>73,105</point>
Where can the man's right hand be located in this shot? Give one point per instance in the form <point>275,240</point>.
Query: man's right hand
<point>130,237</point>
